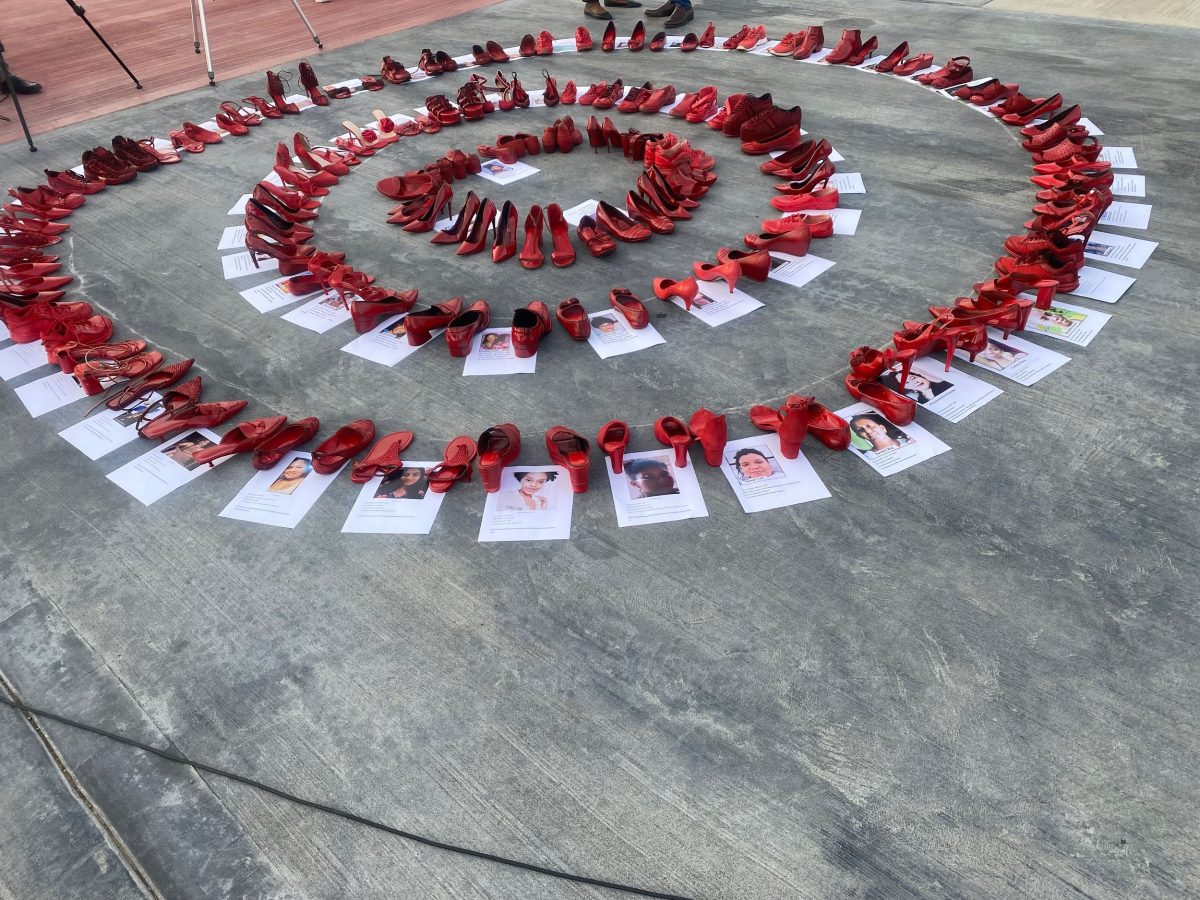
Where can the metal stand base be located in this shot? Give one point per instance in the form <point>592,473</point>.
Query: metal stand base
<point>6,76</point>
<point>200,33</point>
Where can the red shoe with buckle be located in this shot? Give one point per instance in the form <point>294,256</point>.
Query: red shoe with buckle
<point>628,305</point>
<point>574,319</point>
<point>461,331</point>
<point>529,325</point>
<point>598,241</point>
<point>498,447</point>
<point>570,450</point>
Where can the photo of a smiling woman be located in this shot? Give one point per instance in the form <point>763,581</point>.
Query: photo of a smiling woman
<point>752,464</point>
<point>873,434</point>
<point>291,477</point>
<point>408,483</point>
<point>534,493</point>
<point>920,386</point>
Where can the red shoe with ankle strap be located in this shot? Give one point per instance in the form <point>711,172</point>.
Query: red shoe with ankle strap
<point>570,450</point>
<point>799,417</point>
<point>243,438</point>
<point>671,432</point>
<point>574,319</point>
<point>191,417</point>
<point>342,446</point>
<point>89,373</point>
<point>461,331</point>
<point>957,71</point>
<point>498,447</point>
<point>529,325</point>
<point>711,431</point>
<point>941,334</point>
<point>531,255</point>
<point>868,363</point>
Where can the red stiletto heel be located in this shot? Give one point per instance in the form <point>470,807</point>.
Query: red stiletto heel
<point>686,290</point>
<point>477,235</point>
<point>505,244</point>
<point>308,80</point>
<point>562,252</point>
<point>275,92</point>
<point>457,232</point>
<point>531,252</point>
<point>263,108</point>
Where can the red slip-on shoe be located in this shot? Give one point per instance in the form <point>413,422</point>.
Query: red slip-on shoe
<point>711,431</point>
<point>612,439</point>
<point>496,52</point>
<point>583,39</point>
<point>793,243</point>
<point>498,447</point>
<point>528,46</point>
<point>825,198</point>
<point>570,450</point>
<point>898,409</point>
<point>637,38</point>
<point>455,465</point>
<point>243,438</point>
<point>291,436</point>
<point>597,240</point>
<point>686,290</point>
<point>529,325</point>
<point>628,305</point>
<point>421,323</point>
<point>191,417</point>
<point>893,59</point>
<point>689,43</point>
<point>755,264</point>
<point>461,331</point>
<point>342,446</point>
<point>672,433</point>
<point>574,319</point>
<point>384,458</point>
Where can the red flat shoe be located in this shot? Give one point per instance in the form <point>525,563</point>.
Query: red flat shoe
<point>793,243</point>
<point>528,46</point>
<point>190,417</point>
<point>755,264</point>
<point>529,325</point>
<point>608,41</point>
<point>729,272</point>
<point>671,432</point>
<point>574,319</point>
<point>420,323</point>
<point>686,290</point>
<point>898,409</point>
<point>242,438</point>
<point>496,52</point>
<point>455,465</point>
<point>711,431</point>
<point>270,451</point>
<point>912,65</point>
<point>598,242</point>
<point>634,311</point>
<point>342,446</point>
<point>570,450</point>
<point>498,447</point>
<point>384,458</point>
<point>613,438</point>
<point>462,329</point>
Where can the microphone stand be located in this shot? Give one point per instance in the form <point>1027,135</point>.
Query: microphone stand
<point>12,92</point>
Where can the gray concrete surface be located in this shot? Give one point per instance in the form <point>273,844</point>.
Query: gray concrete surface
<point>975,679</point>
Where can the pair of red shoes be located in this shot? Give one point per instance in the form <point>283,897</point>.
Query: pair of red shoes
<point>731,265</point>
<point>499,446</point>
<point>436,62</point>
<point>799,417</point>
<point>561,136</point>
<point>696,107</point>
<point>746,38</point>
<point>542,45</point>
<point>800,44</point>
<point>704,426</point>
<point>562,252</point>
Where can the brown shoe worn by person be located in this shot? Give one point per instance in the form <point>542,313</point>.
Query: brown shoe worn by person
<point>661,12</point>
<point>681,16</point>
<point>593,10</point>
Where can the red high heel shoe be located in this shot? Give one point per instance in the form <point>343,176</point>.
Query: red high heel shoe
<point>613,438</point>
<point>729,272</point>
<point>598,242</point>
<point>893,59</point>
<point>477,234</point>
<point>288,438</point>
<point>941,334</point>
<point>498,447</point>
<point>754,264</point>
<point>531,252</point>
<point>529,325</point>
<point>337,165</point>
<point>686,290</point>
<point>1023,114</point>
<point>710,429</point>
<point>644,212</point>
<point>574,319</point>
<point>859,56</point>
<point>421,323</point>
<point>374,304</point>
<point>457,232</point>
<point>342,446</point>
<point>158,380</point>
<point>455,465</point>
<point>312,87</point>
<point>462,329</point>
<point>628,305</point>
<point>264,108</point>
<point>275,92</point>
<point>383,458</point>
<point>826,426</point>
<point>293,205</point>
<point>608,40</point>
<point>89,373</point>
<point>898,409</point>
<point>243,438</point>
<point>671,432</point>
<point>505,244</point>
<point>570,450</point>
<point>292,258</point>
<point>957,71</point>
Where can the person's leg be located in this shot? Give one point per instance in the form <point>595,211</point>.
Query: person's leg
<point>593,10</point>
<point>682,14</point>
<point>20,85</point>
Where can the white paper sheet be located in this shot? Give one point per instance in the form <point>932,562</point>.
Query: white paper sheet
<point>280,495</point>
<point>321,314</point>
<point>579,210</point>
<point>1120,157</point>
<point>233,238</point>
<point>612,335</point>
<point>1073,324</point>
<point>869,64</point>
<point>848,183</point>
<point>165,467</point>
<point>819,56</point>
<point>4,332</point>
<point>241,265</point>
<point>797,270</point>
<point>845,221</point>
<point>301,101</point>
<point>1127,215</point>
<point>504,173</point>
<point>953,395</point>
<point>1119,249</point>
<point>239,208</point>
<point>21,358</point>
<point>764,49</point>
<point>388,344</point>
<point>107,430</point>
<point>763,479</point>
<point>1126,184</point>
<point>533,504</point>
<point>885,447</point>
<point>652,489</point>
<point>401,503</point>
<point>715,304</point>
<point>274,294</point>
<point>274,178</point>
<point>49,393</point>
<point>492,354</point>
<point>1102,285</point>
<point>1016,358</point>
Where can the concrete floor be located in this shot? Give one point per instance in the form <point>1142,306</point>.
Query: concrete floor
<point>976,679</point>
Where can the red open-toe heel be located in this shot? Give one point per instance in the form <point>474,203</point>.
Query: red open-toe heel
<point>570,450</point>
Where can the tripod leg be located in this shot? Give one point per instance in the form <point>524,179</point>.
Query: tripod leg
<point>79,11</point>
<point>307,24</point>
<point>195,32</point>
<point>12,92</point>
<point>204,34</point>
